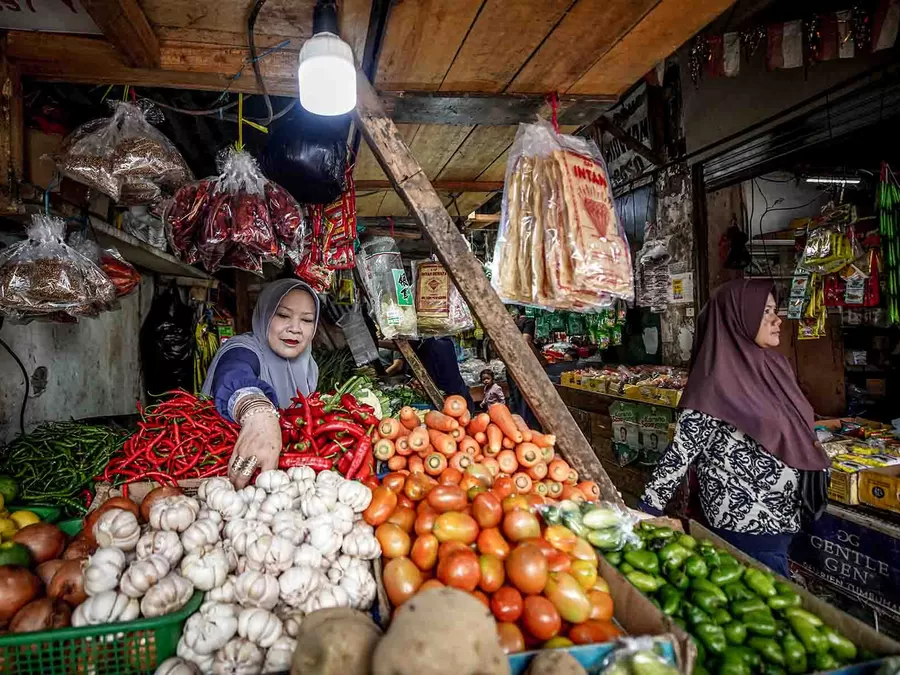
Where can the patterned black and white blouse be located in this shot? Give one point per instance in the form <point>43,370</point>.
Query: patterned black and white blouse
<point>742,487</point>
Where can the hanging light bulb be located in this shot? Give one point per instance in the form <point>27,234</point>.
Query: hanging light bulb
<point>326,73</point>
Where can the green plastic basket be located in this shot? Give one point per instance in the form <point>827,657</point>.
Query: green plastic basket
<point>47,514</point>
<point>113,649</point>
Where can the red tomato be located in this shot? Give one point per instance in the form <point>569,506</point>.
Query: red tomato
<point>403,517</point>
<point>394,482</point>
<point>460,570</point>
<point>519,524</point>
<point>503,487</point>
<point>430,583</point>
<point>541,543</point>
<point>506,604</point>
<point>492,574</point>
<point>448,547</point>
<point>445,498</point>
<point>417,486</point>
<point>403,500</point>
<point>559,562</point>
<point>511,638</point>
<point>424,552</point>
<point>540,617</point>
<point>425,520</point>
<point>381,507</point>
<point>526,568</point>
<point>490,541</point>
<point>401,580</point>
<point>394,541</point>
<point>450,476</point>
<point>601,605</point>
<point>514,501</point>
<point>592,631</point>
<point>456,527</point>
<point>487,510</point>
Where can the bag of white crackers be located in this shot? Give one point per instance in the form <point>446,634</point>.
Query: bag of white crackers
<point>560,245</point>
<point>440,307</point>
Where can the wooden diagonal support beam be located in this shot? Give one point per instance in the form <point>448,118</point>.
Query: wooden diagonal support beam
<point>425,205</point>
<point>441,185</point>
<point>418,368</point>
<point>12,130</point>
<point>629,141</point>
<point>125,25</point>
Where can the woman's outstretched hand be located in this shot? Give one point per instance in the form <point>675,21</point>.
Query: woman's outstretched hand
<point>260,436</point>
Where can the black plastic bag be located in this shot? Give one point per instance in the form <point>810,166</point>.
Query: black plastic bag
<point>308,157</point>
<point>167,344</point>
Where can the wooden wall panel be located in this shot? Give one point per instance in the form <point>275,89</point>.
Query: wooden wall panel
<point>289,18</point>
<point>421,41</point>
<point>435,144</point>
<point>368,204</point>
<point>354,25</point>
<point>483,146</point>
<point>587,32</point>
<point>501,40</point>
<point>663,30</point>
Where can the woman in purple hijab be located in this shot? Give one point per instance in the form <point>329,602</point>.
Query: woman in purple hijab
<point>746,428</point>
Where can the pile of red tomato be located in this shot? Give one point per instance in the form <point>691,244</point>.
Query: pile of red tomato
<point>540,582</point>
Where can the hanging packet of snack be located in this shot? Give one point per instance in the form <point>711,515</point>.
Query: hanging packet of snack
<point>391,297</point>
<point>440,307</point>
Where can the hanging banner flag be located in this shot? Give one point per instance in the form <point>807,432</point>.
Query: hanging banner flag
<point>828,32</point>
<point>887,20</point>
<point>785,45</point>
<point>732,54</point>
<point>715,60</point>
<point>846,45</point>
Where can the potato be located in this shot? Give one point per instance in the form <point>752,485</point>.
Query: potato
<point>335,642</point>
<point>441,631</point>
<point>555,662</point>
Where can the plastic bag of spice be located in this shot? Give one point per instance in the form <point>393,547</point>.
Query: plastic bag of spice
<point>123,156</point>
<point>45,276</point>
<point>121,273</point>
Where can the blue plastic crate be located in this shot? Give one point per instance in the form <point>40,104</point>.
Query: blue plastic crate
<point>592,656</point>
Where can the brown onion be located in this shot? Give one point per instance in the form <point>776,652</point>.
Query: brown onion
<point>124,503</point>
<point>18,587</point>
<point>46,570</point>
<point>68,584</point>
<point>153,495</point>
<point>43,614</point>
<point>79,549</point>
<point>45,541</point>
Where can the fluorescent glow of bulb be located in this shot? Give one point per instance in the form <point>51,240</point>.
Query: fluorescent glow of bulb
<point>834,181</point>
<point>326,75</point>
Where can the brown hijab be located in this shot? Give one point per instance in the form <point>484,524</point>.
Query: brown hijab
<point>753,389</point>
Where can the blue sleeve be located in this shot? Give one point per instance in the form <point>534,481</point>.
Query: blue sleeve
<point>237,369</point>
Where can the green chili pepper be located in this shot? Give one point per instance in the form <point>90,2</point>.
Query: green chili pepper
<point>809,617</point>
<point>626,569</point>
<point>695,566</point>
<point>750,657</point>
<point>843,649</point>
<point>701,584</point>
<point>645,583</point>
<point>678,579</point>
<point>759,623</point>
<point>737,591</point>
<point>735,665</point>
<point>708,602</point>
<point>742,607</point>
<point>809,635</point>
<point>727,560</point>
<point>758,582</point>
<point>645,561</point>
<point>768,649</point>
<point>687,541</point>
<point>794,654</point>
<point>783,588</point>
<point>634,545</point>
<point>711,556</point>
<point>779,602</point>
<point>663,533</point>
<point>721,617</point>
<point>694,615</point>
<point>735,632</point>
<point>614,558</point>
<point>726,574</point>
<point>712,636</point>
<point>670,599</point>
<point>673,555</point>
<point>825,662</point>
<point>701,650</point>
<point>772,669</point>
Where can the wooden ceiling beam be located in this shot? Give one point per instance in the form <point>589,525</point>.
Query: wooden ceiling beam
<point>125,25</point>
<point>439,185</point>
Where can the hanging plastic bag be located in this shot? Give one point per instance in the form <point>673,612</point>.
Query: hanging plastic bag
<point>121,273</point>
<point>440,307</point>
<point>45,276</point>
<point>637,655</point>
<point>387,285</point>
<point>311,169</point>
<point>560,244</point>
<point>123,156</point>
<point>237,219</point>
<point>167,344</point>
<point>139,222</point>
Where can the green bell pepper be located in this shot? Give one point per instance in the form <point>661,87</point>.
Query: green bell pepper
<point>759,623</point>
<point>670,599</point>
<point>701,650</point>
<point>712,637</point>
<point>843,649</point>
<point>634,545</point>
<point>614,558</point>
<point>794,654</point>
<point>663,533</point>
<point>737,591</point>
<point>825,662</point>
<point>626,569</point>
<point>708,602</point>
<point>783,588</point>
<point>772,669</point>
<point>726,574</point>
<point>694,615</point>
<point>750,657</point>
<point>727,560</point>
<point>645,583</point>
<point>647,526</point>
<point>735,665</point>
<point>711,556</point>
<point>759,582</point>
<point>701,584</point>
<point>721,617</point>
<point>809,617</point>
<point>779,602</point>
<point>735,633</point>
<point>809,635</point>
<point>687,541</point>
<point>695,566</point>
<point>678,579</point>
<point>742,607</point>
<point>768,649</point>
<point>643,561</point>
<point>673,555</point>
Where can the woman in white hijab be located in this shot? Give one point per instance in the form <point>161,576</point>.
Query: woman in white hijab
<point>256,373</point>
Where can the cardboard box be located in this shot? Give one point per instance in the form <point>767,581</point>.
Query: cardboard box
<point>863,636</point>
<point>843,487</point>
<point>880,488</point>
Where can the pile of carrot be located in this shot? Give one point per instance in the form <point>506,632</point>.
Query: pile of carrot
<point>495,444</point>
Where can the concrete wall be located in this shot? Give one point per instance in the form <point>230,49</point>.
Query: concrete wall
<point>798,200</point>
<point>92,367</point>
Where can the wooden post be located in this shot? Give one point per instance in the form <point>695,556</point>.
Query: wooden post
<point>414,188</point>
<point>12,130</point>
<point>421,374</point>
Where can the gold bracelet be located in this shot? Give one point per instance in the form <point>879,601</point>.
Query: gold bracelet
<point>247,402</point>
<point>257,409</point>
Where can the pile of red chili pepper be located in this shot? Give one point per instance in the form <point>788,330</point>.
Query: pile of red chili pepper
<point>327,433</point>
<point>184,436</point>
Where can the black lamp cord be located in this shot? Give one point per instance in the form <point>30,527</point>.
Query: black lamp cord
<point>24,376</point>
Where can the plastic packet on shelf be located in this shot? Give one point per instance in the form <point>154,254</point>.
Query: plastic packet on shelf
<point>440,307</point>
<point>45,276</point>
<point>139,222</point>
<point>123,156</point>
<point>390,294</point>
<point>560,244</point>
<point>607,526</point>
<point>636,656</point>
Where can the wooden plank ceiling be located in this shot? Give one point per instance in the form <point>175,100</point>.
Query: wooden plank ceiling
<point>579,47</point>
